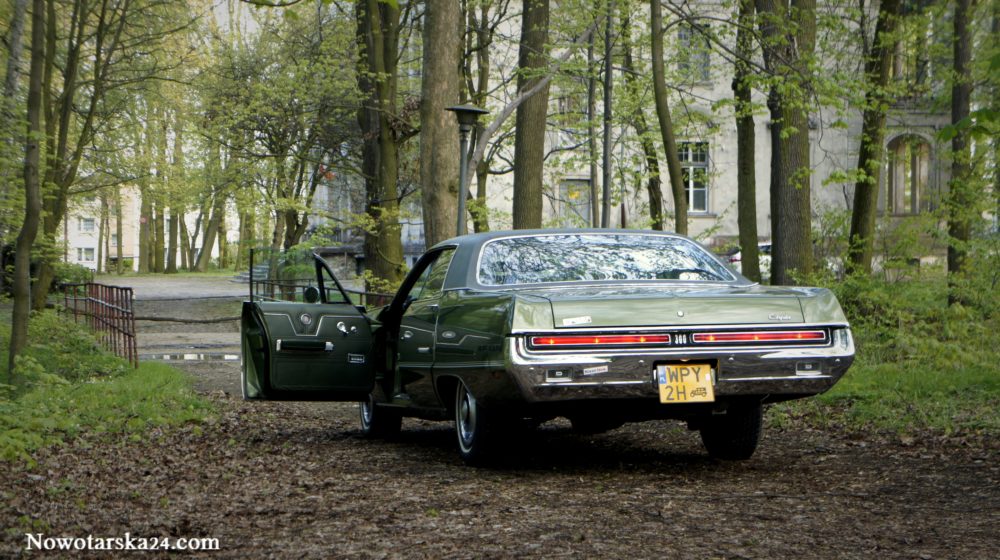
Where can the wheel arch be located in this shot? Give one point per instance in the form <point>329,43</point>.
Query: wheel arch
<point>446,385</point>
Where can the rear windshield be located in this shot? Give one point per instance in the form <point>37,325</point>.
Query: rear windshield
<point>594,257</point>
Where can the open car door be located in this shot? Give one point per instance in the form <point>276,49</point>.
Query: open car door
<point>316,349</point>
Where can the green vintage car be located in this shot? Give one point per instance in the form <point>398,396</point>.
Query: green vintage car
<point>506,329</point>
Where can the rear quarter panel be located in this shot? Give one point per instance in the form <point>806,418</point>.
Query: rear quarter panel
<point>471,330</point>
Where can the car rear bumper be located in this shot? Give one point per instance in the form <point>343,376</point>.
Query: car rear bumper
<point>772,374</point>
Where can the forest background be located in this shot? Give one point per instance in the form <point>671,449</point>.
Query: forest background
<point>204,105</point>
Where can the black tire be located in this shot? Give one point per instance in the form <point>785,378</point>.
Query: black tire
<point>473,428</point>
<point>378,421</point>
<point>733,436</point>
<point>594,424</point>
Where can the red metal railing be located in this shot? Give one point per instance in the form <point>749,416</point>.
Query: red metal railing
<point>108,312</point>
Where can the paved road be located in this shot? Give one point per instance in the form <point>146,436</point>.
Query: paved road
<point>162,286</point>
<point>209,351</point>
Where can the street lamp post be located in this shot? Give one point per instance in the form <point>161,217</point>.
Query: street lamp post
<point>467,117</point>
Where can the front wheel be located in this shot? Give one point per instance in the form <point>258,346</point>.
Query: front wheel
<point>379,421</point>
<point>472,427</point>
<point>733,436</point>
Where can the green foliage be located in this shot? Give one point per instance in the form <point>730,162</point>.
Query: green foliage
<point>68,385</point>
<point>153,395</point>
<point>920,364</point>
<point>69,273</point>
<point>59,347</point>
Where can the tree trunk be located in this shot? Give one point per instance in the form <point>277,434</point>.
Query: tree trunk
<point>378,37</point>
<point>606,141</point>
<point>101,235</point>
<point>787,51</point>
<point>65,114</point>
<point>14,48</point>
<point>159,248</point>
<point>176,182</point>
<point>529,132</point>
<point>478,94</point>
<point>211,230</point>
<point>32,191</point>
<point>961,195</point>
<point>8,121</point>
<point>595,210</point>
<point>145,217</point>
<point>172,242</point>
<point>878,67</point>
<point>653,183</point>
<point>666,123</point>
<point>439,155</point>
<point>746,171</point>
<point>185,243</point>
<point>119,230</point>
<point>222,241</point>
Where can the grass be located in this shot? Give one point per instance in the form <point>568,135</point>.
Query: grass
<point>129,404</point>
<point>920,364</point>
<point>67,386</point>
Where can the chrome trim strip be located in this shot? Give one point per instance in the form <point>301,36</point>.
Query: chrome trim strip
<point>590,383</point>
<point>775,378</point>
<point>319,324</point>
<point>668,328</point>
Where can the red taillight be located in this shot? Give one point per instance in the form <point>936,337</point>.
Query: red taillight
<point>600,340</point>
<point>763,336</point>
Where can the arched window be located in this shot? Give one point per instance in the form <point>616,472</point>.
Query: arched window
<point>908,175</point>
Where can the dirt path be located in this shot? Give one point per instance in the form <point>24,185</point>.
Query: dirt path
<point>287,480</point>
<point>296,480</point>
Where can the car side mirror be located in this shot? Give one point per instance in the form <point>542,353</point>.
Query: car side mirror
<point>310,294</point>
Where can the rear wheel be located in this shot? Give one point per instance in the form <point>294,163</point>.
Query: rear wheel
<point>379,421</point>
<point>733,436</point>
<point>472,427</point>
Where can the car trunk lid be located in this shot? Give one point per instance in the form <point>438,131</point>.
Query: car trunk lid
<point>631,306</point>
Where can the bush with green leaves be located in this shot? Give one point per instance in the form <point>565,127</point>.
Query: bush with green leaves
<point>67,384</point>
<point>69,273</point>
<point>920,364</point>
<point>61,347</point>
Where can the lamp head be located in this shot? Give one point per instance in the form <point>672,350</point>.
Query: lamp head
<point>467,115</point>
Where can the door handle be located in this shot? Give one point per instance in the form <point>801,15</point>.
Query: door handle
<point>407,335</point>
<point>434,307</point>
<point>423,349</point>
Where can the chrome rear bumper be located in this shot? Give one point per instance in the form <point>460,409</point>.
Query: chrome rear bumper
<point>772,373</point>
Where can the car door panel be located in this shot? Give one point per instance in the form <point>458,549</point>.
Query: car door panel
<point>320,350</point>
<point>416,350</point>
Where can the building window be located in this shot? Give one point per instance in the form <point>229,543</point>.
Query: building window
<point>85,254</point>
<point>908,175</point>
<point>693,53</point>
<point>574,202</point>
<point>114,239</point>
<point>86,225</point>
<point>694,170</point>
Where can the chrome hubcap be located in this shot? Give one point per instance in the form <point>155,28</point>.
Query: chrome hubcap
<point>466,418</point>
<point>366,412</point>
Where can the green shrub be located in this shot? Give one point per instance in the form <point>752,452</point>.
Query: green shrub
<point>69,273</point>
<point>153,395</point>
<point>61,347</point>
<point>920,363</point>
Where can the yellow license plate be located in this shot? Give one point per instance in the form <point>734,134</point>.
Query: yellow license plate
<point>685,383</point>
